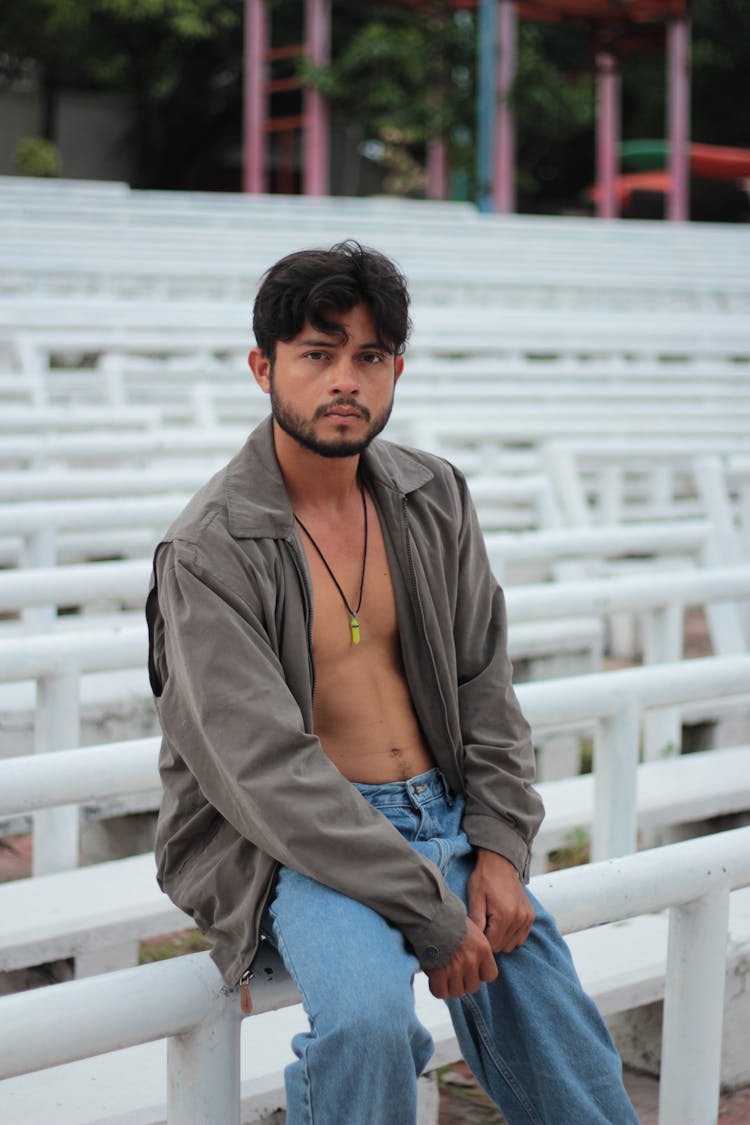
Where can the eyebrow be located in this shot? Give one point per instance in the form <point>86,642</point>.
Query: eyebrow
<point>327,343</point>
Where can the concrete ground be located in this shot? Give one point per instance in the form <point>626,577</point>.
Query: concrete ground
<point>462,1102</point>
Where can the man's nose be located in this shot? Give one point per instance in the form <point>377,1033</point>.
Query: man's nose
<point>344,377</point>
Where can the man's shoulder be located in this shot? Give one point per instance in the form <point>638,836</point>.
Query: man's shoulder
<point>207,508</point>
<point>245,499</point>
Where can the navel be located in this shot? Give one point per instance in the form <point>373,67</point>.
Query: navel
<point>398,756</point>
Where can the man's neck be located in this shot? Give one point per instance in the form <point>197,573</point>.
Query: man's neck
<point>313,482</point>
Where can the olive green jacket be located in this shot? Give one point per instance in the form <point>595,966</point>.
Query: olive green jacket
<point>247,785</point>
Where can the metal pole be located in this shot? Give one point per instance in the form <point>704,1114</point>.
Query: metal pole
<point>662,643</point>
<point>316,143</point>
<point>57,728</point>
<point>254,177</point>
<point>678,118</point>
<point>485,102</point>
<point>505,146</point>
<point>614,831</point>
<point>41,552</point>
<point>203,1068</point>
<point>437,169</point>
<point>607,134</point>
<point>694,1009</point>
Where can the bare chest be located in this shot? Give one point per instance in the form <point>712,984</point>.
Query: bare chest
<point>351,585</point>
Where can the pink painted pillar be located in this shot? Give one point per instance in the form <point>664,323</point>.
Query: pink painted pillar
<point>254,177</point>
<point>678,118</point>
<point>504,178</point>
<point>607,134</point>
<point>437,169</point>
<point>316,142</point>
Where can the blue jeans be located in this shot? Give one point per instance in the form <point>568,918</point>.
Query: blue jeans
<point>533,1038</point>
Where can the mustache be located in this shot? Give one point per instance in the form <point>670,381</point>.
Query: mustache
<point>344,400</point>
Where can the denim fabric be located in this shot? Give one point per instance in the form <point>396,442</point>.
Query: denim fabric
<point>533,1039</point>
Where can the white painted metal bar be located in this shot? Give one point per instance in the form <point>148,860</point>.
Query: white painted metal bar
<point>102,650</point>
<point>78,1019</point>
<point>57,727</point>
<point>41,550</point>
<point>77,583</point>
<point>203,1068</point>
<point>614,830</point>
<point>694,1008</point>
<point>49,1027</point>
<point>34,516</point>
<point>78,776</point>
<point>577,698</point>
<point>593,894</point>
<point>662,642</point>
<point>639,592</point>
<point>22,486</point>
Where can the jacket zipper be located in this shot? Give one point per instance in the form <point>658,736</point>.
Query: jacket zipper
<point>246,1003</point>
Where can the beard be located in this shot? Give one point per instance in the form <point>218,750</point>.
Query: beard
<point>303,431</point>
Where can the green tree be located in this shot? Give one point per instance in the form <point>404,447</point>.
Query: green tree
<point>178,61</point>
<point>400,77</point>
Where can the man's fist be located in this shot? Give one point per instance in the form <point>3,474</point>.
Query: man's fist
<point>472,964</point>
<point>498,903</point>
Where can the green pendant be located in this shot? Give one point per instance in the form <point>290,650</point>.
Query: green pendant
<point>354,626</point>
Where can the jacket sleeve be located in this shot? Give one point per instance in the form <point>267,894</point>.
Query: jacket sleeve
<point>503,811</point>
<point>224,704</point>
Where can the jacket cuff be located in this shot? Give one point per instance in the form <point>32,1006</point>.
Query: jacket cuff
<point>435,942</point>
<point>497,836</point>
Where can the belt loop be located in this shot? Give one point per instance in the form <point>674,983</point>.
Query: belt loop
<point>449,798</point>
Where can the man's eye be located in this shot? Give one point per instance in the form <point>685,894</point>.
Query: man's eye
<point>372,357</point>
<point>315,355</point>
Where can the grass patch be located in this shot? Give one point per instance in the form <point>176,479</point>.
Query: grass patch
<point>571,854</point>
<point>172,945</point>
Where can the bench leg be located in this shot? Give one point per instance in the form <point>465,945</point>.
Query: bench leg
<point>203,1069</point>
<point>428,1100</point>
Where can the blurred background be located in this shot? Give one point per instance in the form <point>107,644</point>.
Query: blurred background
<point>151,92</point>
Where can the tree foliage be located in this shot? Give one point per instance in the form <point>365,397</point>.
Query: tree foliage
<point>399,78</point>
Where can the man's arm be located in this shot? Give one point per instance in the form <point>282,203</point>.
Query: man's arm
<point>500,919</point>
<point>503,811</point>
<point>224,704</point>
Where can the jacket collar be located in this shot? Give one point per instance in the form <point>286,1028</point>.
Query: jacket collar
<point>257,502</point>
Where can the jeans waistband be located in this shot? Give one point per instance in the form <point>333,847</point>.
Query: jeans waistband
<point>412,793</point>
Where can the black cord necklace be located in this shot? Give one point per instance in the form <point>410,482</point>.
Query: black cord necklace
<point>354,622</point>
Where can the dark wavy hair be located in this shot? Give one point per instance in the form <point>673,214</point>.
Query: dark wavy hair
<point>310,285</point>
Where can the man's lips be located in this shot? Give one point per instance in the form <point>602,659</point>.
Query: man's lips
<point>344,412</point>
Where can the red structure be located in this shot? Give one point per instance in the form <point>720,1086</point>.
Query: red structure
<point>617,27</point>
<point>260,84</point>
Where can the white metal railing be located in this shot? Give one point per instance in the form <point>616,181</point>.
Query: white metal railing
<point>186,1001</point>
<point>613,703</point>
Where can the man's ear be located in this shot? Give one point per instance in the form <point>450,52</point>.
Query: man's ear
<point>260,365</point>
<point>398,366</point>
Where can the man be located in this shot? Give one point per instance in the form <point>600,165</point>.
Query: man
<point>345,766</point>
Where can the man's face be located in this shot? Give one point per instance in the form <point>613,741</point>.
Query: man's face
<point>331,393</point>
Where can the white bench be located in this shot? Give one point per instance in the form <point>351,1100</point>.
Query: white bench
<point>624,960</point>
<point>70,913</point>
<point>98,914</point>
<point>167,242</point>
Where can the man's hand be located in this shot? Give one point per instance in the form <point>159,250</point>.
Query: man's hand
<point>472,963</point>
<point>498,903</point>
